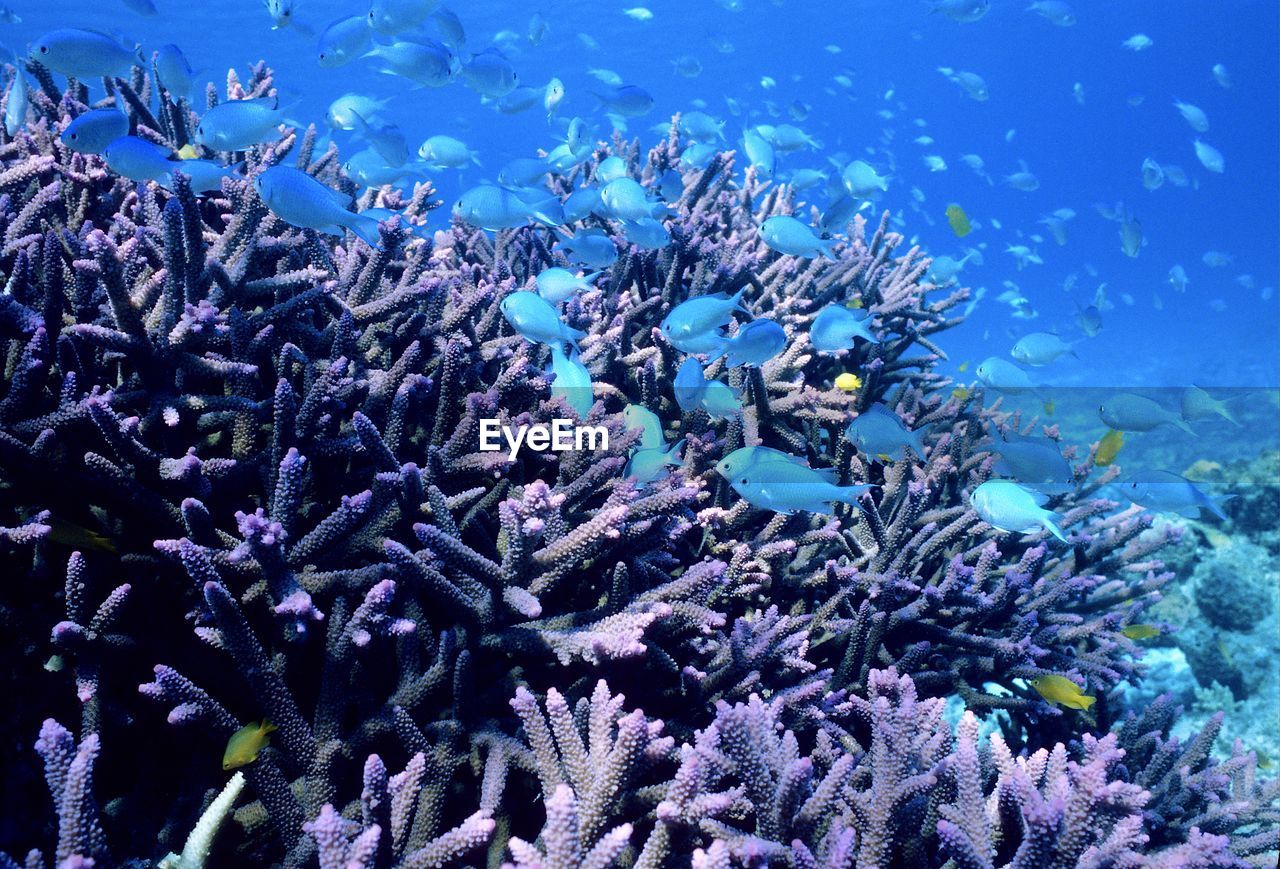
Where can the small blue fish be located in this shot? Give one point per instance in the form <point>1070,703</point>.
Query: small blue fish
<point>627,200</point>
<point>637,416</point>
<point>785,234</point>
<point>1127,411</point>
<point>1166,492</point>
<point>878,432</point>
<point>700,316</point>
<point>536,320</point>
<point>1001,375</point>
<point>300,200</point>
<point>647,233</point>
<point>572,380</point>
<point>176,75</point>
<point>690,385</point>
<point>699,154</point>
<point>647,465</point>
<point>628,100</point>
<point>93,131</point>
<point>426,63</point>
<point>140,160</point>
<point>523,172</point>
<point>1036,464</point>
<point>593,248</point>
<point>367,167</point>
<point>490,74</point>
<point>446,152</point>
<point>238,125</point>
<point>789,487</point>
<point>610,169</point>
<point>755,343</point>
<point>83,54</point>
<point>836,327</point>
<point>1006,506</point>
<point>206,176</point>
<point>760,153</point>
<point>720,401</point>
<point>581,203</point>
<point>387,139</point>
<point>390,17</point>
<point>15,108</point>
<point>747,459</point>
<point>557,284</point>
<point>493,208</point>
<point>343,41</point>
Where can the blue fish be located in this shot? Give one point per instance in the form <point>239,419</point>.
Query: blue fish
<point>690,384</point>
<point>176,75</point>
<point>787,487</point>
<point>878,432</point>
<point>238,125</point>
<point>637,416</point>
<point>300,200</point>
<point>836,327</point>
<point>785,234</point>
<point>572,380</point>
<point>536,320</point>
<point>1166,492</point>
<point>755,343</point>
<point>140,160</point>
<point>557,284</point>
<point>592,248</point>
<point>698,317</point>
<point>720,401</point>
<point>83,54</point>
<point>1006,506</point>
<point>649,465</point>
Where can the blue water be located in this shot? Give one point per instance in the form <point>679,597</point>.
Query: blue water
<point>1221,332</point>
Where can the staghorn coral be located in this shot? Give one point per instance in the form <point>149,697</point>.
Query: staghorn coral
<point>265,441</point>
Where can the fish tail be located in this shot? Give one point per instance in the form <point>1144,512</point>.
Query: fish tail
<point>1215,505</point>
<point>672,456</point>
<point>1223,411</point>
<point>851,495</point>
<point>1052,523</point>
<point>365,227</point>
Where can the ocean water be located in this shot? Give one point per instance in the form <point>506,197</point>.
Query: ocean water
<point>1071,104</point>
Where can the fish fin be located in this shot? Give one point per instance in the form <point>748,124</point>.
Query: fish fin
<point>1214,505</point>
<point>1052,523</point>
<point>851,495</point>
<point>672,455</point>
<point>365,227</point>
<point>1182,424</point>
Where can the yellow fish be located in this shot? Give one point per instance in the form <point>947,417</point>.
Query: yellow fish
<point>75,536</point>
<point>959,220</point>
<point>854,303</point>
<point>1061,690</point>
<point>1048,407</point>
<point>964,366</point>
<point>1141,632</point>
<point>245,743</point>
<point>848,382</point>
<point>1108,448</point>
<point>188,152</point>
<point>961,393</point>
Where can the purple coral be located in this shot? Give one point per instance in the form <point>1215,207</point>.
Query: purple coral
<point>273,437</point>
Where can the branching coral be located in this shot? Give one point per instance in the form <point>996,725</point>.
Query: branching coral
<point>255,449</point>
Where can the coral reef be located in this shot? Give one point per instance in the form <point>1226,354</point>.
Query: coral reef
<point>240,480</point>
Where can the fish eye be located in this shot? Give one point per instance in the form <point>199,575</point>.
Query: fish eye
<point>44,49</point>
<point>743,481</point>
<point>73,136</point>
